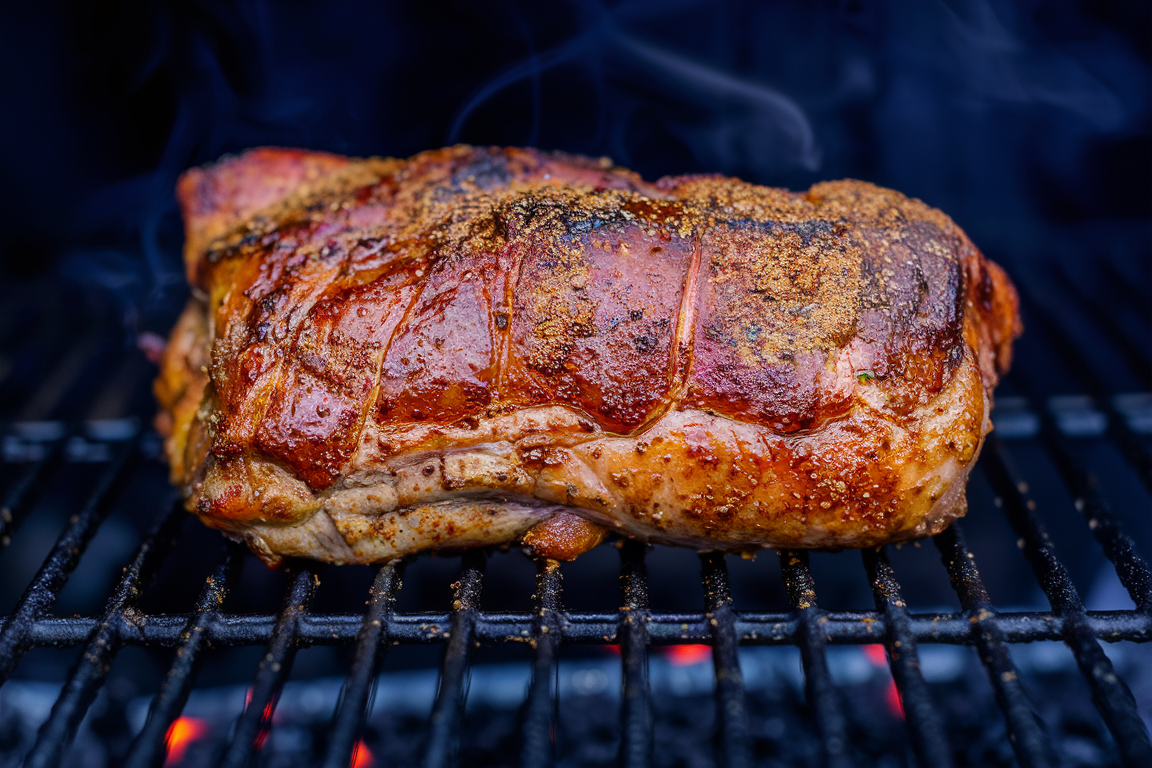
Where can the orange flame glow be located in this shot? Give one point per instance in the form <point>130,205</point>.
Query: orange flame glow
<point>267,718</point>
<point>684,655</point>
<point>361,757</point>
<point>877,656</point>
<point>182,732</point>
<point>893,698</point>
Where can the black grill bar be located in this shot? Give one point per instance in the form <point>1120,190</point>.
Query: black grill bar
<point>839,627</point>
<point>1136,356</point>
<point>1128,442</point>
<point>254,722</point>
<point>540,708</point>
<point>149,747</point>
<point>1109,692</point>
<point>23,494</point>
<point>66,368</point>
<point>1024,728</point>
<point>41,594</point>
<point>447,712</point>
<point>1130,447</point>
<point>635,702</point>
<point>929,741</point>
<point>371,643</point>
<point>822,696</point>
<point>1118,546</point>
<point>92,666</point>
<point>735,748</point>
<point>1118,283</point>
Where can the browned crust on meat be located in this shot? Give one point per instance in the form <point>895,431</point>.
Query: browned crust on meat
<point>180,390</point>
<point>563,536</point>
<point>806,369</point>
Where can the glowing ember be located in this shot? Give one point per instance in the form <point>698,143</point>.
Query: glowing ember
<point>182,732</point>
<point>267,717</point>
<point>892,696</point>
<point>684,655</point>
<point>361,757</point>
<point>877,656</point>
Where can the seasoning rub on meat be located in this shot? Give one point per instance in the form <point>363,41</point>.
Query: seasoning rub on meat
<point>481,346</point>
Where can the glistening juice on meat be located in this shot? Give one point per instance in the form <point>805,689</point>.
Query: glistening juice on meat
<point>481,346</point>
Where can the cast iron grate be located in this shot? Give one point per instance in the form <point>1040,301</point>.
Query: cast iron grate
<point>42,451</point>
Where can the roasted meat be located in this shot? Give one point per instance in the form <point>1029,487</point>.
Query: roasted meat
<point>484,346</point>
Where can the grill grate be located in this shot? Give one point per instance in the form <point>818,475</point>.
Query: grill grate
<point>41,452</point>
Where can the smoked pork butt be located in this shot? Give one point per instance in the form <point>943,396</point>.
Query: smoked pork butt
<point>482,346</point>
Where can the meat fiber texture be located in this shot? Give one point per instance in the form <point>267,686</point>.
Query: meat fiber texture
<point>484,346</point>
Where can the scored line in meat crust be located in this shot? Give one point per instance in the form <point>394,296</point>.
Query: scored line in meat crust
<point>370,406</point>
<point>685,333</point>
<point>507,310</point>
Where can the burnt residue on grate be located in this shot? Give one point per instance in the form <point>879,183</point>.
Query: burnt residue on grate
<point>134,636</point>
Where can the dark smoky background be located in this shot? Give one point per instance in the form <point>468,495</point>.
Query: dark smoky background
<point>1027,122</point>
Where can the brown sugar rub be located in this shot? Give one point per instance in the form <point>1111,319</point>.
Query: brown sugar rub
<point>481,346</point>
